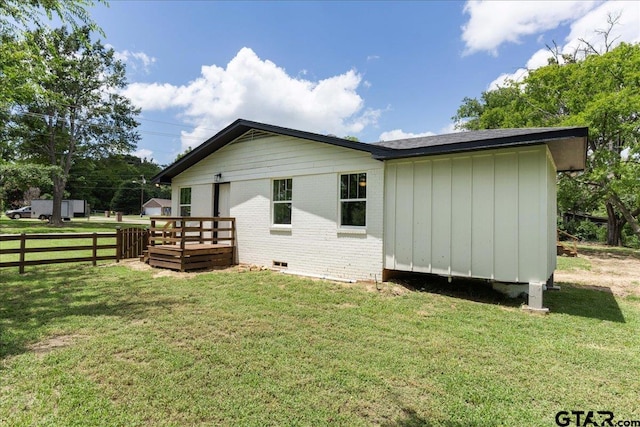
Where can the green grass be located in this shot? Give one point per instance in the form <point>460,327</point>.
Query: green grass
<point>76,225</point>
<point>594,249</point>
<point>572,263</point>
<point>112,346</point>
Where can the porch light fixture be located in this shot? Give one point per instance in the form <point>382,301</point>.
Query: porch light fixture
<point>217,177</point>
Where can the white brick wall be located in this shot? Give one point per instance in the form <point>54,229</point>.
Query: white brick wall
<point>314,244</point>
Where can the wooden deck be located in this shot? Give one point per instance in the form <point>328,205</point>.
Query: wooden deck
<point>568,248</point>
<point>191,243</point>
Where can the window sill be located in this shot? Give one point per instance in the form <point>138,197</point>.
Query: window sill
<point>284,229</point>
<point>356,231</point>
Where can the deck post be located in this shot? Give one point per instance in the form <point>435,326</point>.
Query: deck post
<point>118,243</point>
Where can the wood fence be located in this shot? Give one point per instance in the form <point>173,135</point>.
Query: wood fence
<point>125,243</point>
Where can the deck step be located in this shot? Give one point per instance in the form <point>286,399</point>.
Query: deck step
<point>196,257</point>
<point>145,257</point>
<point>566,250</point>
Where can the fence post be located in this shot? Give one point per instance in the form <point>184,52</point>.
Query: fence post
<point>126,243</point>
<point>23,241</point>
<point>118,244</point>
<point>95,250</point>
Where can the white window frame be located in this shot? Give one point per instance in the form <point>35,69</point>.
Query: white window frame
<point>342,200</point>
<point>275,202</point>
<point>184,205</point>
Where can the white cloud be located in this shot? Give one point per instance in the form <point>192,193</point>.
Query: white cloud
<point>450,128</point>
<point>392,135</point>
<point>152,96</point>
<point>395,134</point>
<point>492,23</point>
<point>586,28</point>
<point>143,153</point>
<point>255,89</point>
<point>135,60</point>
<point>539,59</point>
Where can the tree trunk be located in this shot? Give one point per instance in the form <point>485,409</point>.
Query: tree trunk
<point>58,194</point>
<point>614,226</point>
<point>627,214</point>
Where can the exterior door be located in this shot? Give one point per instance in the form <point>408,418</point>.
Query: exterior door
<point>221,201</point>
<point>222,208</point>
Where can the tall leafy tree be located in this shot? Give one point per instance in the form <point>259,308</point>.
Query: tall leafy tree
<point>601,91</point>
<point>78,110</point>
<point>18,68</point>
<point>97,180</point>
<point>17,179</point>
<point>16,15</point>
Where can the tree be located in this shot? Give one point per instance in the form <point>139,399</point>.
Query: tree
<point>17,179</point>
<point>133,193</point>
<point>601,91</point>
<point>18,67</point>
<point>97,180</point>
<point>20,14</point>
<point>77,111</point>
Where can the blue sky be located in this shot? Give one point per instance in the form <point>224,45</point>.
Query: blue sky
<point>374,70</point>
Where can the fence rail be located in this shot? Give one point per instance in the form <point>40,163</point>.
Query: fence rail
<point>129,243</point>
<point>184,230</point>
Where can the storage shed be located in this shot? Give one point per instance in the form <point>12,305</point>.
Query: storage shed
<point>470,204</point>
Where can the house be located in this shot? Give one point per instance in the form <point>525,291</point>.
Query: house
<point>471,204</point>
<point>155,207</point>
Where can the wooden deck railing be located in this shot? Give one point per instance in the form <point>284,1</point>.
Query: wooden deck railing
<point>192,243</point>
<point>125,243</point>
<point>183,231</point>
<point>572,250</point>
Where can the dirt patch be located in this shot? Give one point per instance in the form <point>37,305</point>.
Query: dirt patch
<point>386,288</point>
<point>609,273</point>
<point>53,343</point>
<point>135,264</point>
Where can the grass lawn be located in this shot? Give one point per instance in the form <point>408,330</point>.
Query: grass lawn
<point>572,263</point>
<point>76,225</point>
<point>116,346</point>
<point>595,249</point>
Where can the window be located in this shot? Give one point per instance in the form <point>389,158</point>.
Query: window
<point>185,201</point>
<point>353,199</point>
<point>282,191</point>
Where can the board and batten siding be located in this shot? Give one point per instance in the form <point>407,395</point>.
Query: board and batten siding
<point>489,215</point>
<point>314,244</point>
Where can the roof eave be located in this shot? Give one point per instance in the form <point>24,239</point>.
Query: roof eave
<point>567,146</point>
<point>240,127</point>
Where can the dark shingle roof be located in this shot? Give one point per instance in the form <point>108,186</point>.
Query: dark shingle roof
<point>239,128</point>
<point>567,144</point>
<point>479,139</point>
